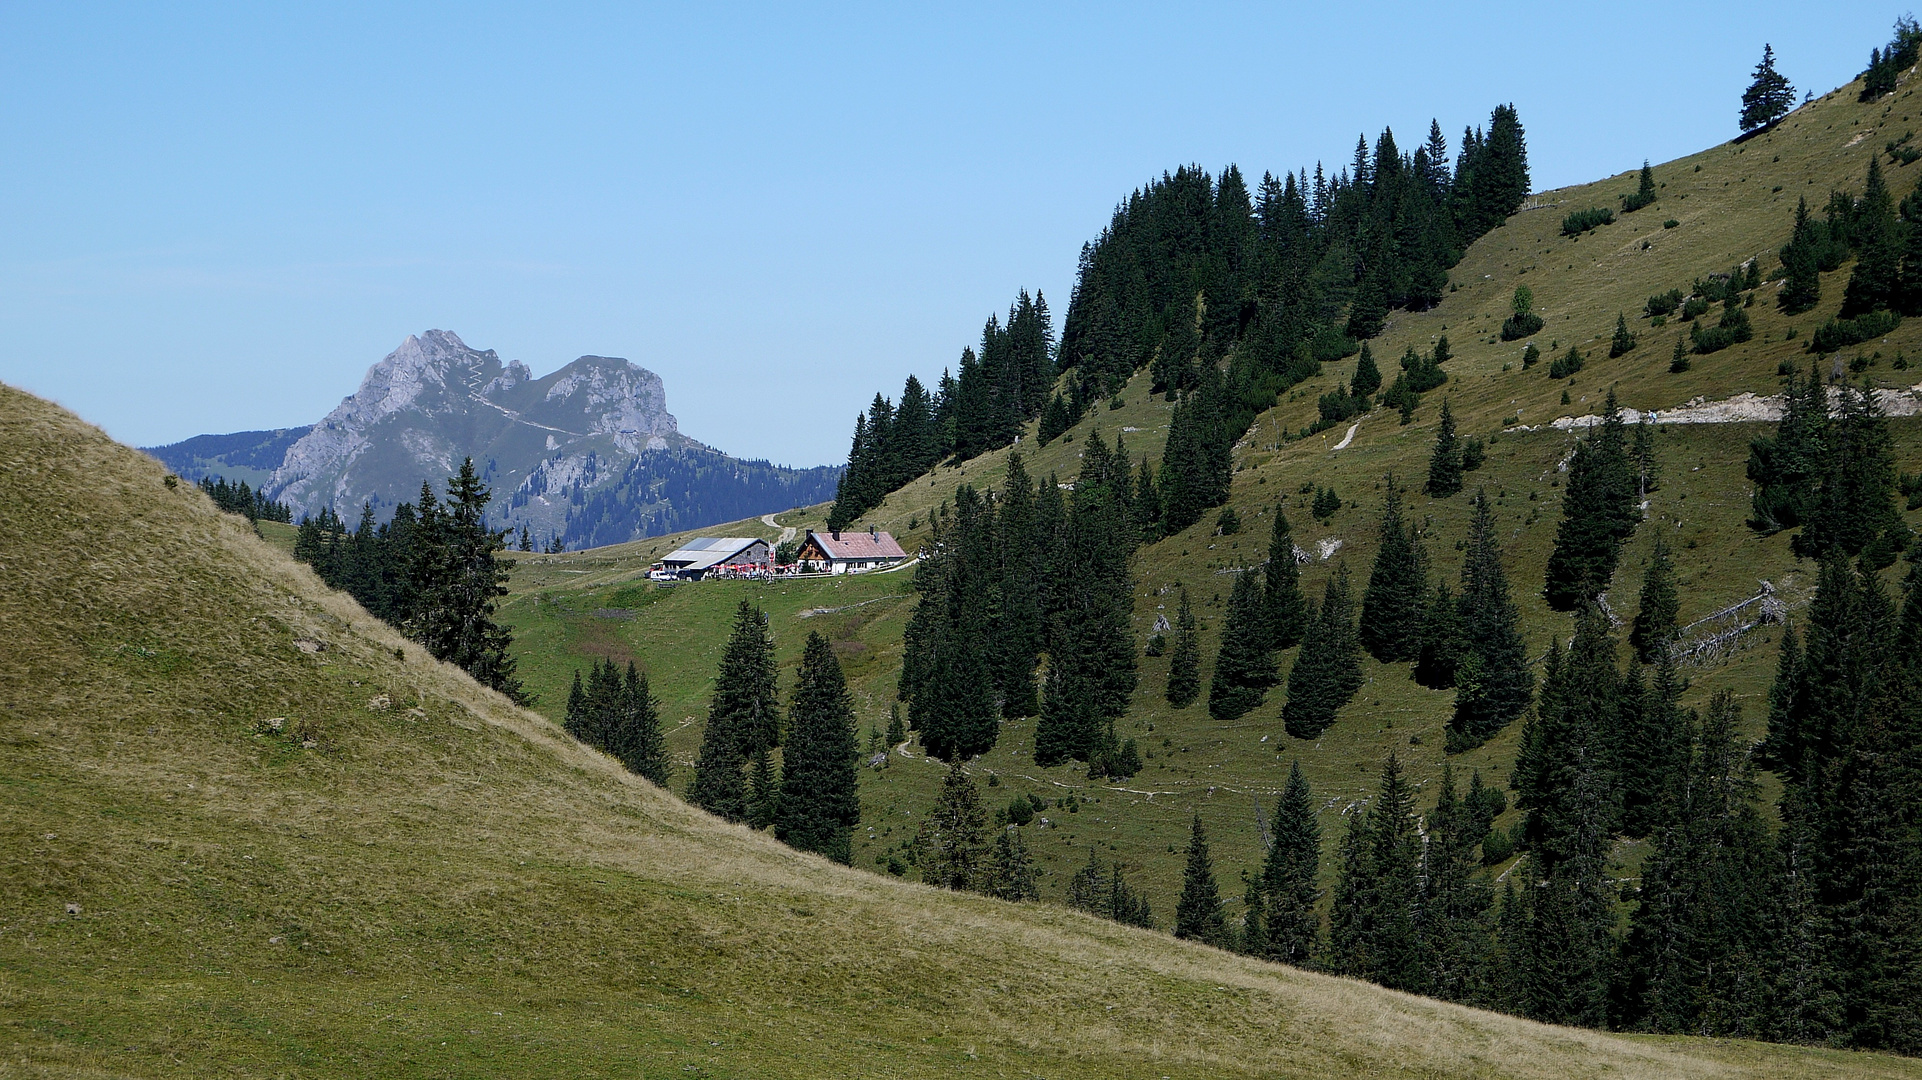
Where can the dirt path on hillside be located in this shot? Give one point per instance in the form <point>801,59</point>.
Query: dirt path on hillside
<point>787,531</point>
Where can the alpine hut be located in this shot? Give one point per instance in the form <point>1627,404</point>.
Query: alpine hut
<point>847,552</point>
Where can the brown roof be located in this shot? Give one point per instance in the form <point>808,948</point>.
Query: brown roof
<point>858,545</point>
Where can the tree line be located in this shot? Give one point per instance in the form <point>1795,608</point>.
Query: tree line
<point>1228,296</point>
<point>250,503</point>
<point>432,571</point>
<point>1000,387</point>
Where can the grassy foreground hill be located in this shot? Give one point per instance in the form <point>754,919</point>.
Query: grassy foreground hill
<point>246,830</point>
<point>1731,203</point>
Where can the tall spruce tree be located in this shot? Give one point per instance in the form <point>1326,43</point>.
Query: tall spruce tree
<point>1599,512</point>
<point>1245,666</point>
<point>820,800</point>
<point>1011,871</point>
<point>1454,902</point>
<point>1445,463</point>
<point>1393,604</point>
<point>1877,238</point>
<point>1289,875</point>
<point>456,581</point>
<point>1184,658</point>
<point>1281,586</point>
<point>1327,671</point>
<point>1198,914</point>
<point>1566,781</point>
<point>1350,909</point>
<point>1493,683</point>
<point>1853,509</point>
<point>950,643</point>
<point>636,739</point>
<point>1655,619</point>
<point>1801,262</point>
<point>1391,929</point>
<point>743,717</point>
<point>1695,956</point>
<point>1367,378</point>
<point>1786,467</point>
<point>951,844</point>
<point>1653,747</point>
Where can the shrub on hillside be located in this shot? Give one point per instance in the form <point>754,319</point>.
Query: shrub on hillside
<point>1695,307</point>
<point>1732,330</point>
<point>1663,303</point>
<point>1841,333</point>
<point>1523,322</point>
<point>1567,364</point>
<point>1581,221</point>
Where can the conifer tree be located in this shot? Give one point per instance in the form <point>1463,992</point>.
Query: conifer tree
<point>1769,96</point>
<point>1289,875</point>
<point>952,844</point>
<point>1786,467</point>
<point>1655,620</point>
<point>1367,377</point>
<point>1801,261</point>
<point>1678,361</point>
<point>1089,889</point>
<point>1244,668</point>
<point>1653,749</point>
<point>1390,929</point>
<point>1453,906</point>
<point>820,799</point>
<point>1327,671</point>
<point>576,722</point>
<point>1875,233</point>
<point>897,730</point>
<point>1695,956</point>
<point>1198,914</point>
<point>743,717</point>
<point>1623,341</point>
<point>1125,905</point>
<point>1644,190</point>
<point>1011,873</point>
<point>456,581</point>
<point>948,668</point>
<point>1184,659</point>
<point>1853,509</point>
<point>1644,458</point>
<point>1445,463</point>
<point>1491,677</point>
<point>636,739</point>
<point>1350,913</point>
<point>1281,586</point>
<point>1598,513</point>
<point>1392,606</point>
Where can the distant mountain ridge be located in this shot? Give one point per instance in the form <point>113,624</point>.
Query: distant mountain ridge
<point>251,456</point>
<point>588,453</point>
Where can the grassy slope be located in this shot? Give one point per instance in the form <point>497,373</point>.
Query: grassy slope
<point>1728,211</point>
<point>412,878</point>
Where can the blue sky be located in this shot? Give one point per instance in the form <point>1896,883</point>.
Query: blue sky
<point>217,217</point>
